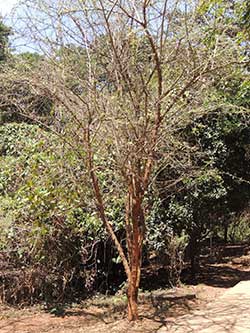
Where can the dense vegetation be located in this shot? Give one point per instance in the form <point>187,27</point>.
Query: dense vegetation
<point>87,140</point>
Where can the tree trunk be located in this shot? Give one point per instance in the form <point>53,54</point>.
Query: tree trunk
<point>135,273</point>
<point>135,226</point>
<point>132,295</point>
<point>134,280</point>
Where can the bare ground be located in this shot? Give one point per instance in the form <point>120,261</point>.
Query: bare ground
<point>108,314</point>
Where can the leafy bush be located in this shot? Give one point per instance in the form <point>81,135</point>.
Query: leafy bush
<point>239,229</point>
<point>46,227</point>
<point>163,244</point>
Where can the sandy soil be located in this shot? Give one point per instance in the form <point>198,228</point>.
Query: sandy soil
<point>108,314</point>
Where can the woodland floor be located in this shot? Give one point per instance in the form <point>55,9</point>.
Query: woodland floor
<point>108,314</point>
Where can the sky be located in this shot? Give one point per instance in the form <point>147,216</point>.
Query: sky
<point>6,6</point>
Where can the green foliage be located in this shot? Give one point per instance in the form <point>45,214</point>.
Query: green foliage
<point>235,90</point>
<point>159,232</point>
<point>208,185</point>
<point>20,139</point>
<point>195,207</point>
<point>34,177</point>
<point>30,58</point>
<point>219,188</point>
<point>48,220</point>
<point>243,16</point>
<point>5,32</point>
<point>239,230</point>
<point>51,209</point>
<point>162,242</point>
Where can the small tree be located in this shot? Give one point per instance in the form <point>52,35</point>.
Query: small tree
<point>147,67</point>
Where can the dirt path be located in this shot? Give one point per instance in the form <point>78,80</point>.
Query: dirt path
<point>107,315</point>
<point>230,313</point>
<point>155,309</point>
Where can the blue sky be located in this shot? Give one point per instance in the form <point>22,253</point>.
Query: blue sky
<point>5,9</point>
<point>6,6</point>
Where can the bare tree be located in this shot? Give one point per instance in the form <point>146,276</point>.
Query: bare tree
<point>143,69</point>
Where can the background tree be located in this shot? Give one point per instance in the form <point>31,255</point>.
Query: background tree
<point>206,201</point>
<point>5,32</point>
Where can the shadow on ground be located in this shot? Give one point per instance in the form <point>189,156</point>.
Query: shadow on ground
<point>222,276</point>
